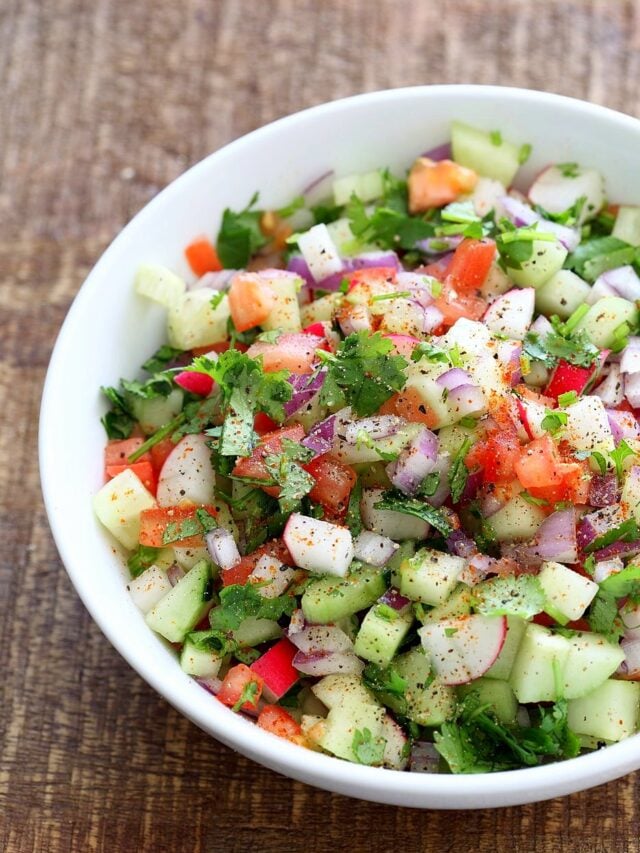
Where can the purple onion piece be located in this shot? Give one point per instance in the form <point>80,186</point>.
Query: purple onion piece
<point>414,463</point>
<point>317,181</point>
<point>509,354</point>
<point>454,378</point>
<point>624,281</point>
<point>374,549</point>
<point>211,685</point>
<point>305,388</point>
<point>222,548</point>
<point>441,467</point>
<point>461,545</point>
<point>320,439</point>
<point>319,664</point>
<point>631,663</point>
<point>596,523</point>
<point>321,639</point>
<point>394,599</point>
<point>604,490</point>
<point>556,537</point>
<point>541,326</point>
<point>439,245</point>
<point>299,266</point>
<point>378,426</point>
<point>219,280</point>
<point>522,214</point>
<point>467,400</point>
<point>175,573</point>
<point>439,152</point>
<point>618,549</point>
<point>431,319</point>
<point>632,389</point>
<point>424,758</point>
<point>471,487</point>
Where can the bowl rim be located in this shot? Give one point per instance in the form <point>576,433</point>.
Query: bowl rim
<point>374,784</point>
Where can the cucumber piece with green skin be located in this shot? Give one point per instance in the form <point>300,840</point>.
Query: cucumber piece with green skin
<point>367,187</point>
<point>430,576</point>
<point>497,694</point>
<point>609,713</point>
<point>320,310</point>
<point>380,636</point>
<point>568,594</point>
<point>338,731</point>
<point>603,318</point>
<point>180,610</point>
<point>592,659</point>
<point>451,438</point>
<point>337,690</point>
<point>427,701</point>
<point>252,631</point>
<point>485,153</point>
<point>541,655</point>
<point>627,225</point>
<point>458,603</point>
<point>547,258</point>
<point>330,598</point>
<point>199,662</point>
<point>159,284</point>
<point>156,412</point>
<point>517,521</point>
<point>192,322</point>
<point>502,666</point>
<point>399,526</point>
<point>562,294</point>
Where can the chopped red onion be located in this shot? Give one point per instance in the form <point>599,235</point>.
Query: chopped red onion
<point>299,266</point>
<point>454,378</point>
<point>219,280</point>
<point>521,214</point>
<point>467,400</point>
<point>366,260</point>
<point>461,545</point>
<point>632,389</point>
<point>378,426</point>
<point>439,152</point>
<point>623,281</point>
<point>330,663</point>
<point>619,549</point>
<point>630,666</point>
<point>419,286</point>
<point>374,549</point>
<point>211,685</point>
<point>541,326</point>
<point>623,425</point>
<point>316,181</point>
<point>305,388</point>
<point>604,568</point>
<point>630,357</point>
<point>424,758</point>
<point>604,490</point>
<point>439,245</point>
<point>611,389</point>
<point>222,548</point>
<point>596,523</point>
<point>556,539</point>
<point>394,599</point>
<point>358,319</point>
<point>432,318</point>
<point>471,487</point>
<point>414,463</point>
<point>320,439</point>
<point>509,354</point>
<point>175,573</point>
<point>441,467</point>
<point>321,638</point>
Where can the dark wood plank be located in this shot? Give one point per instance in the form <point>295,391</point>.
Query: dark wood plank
<point>103,102</point>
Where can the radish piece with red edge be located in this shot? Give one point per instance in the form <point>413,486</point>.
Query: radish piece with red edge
<point>318,546</point>
<point>187,473</point>
<point>328,663</point>
<point>569,377</point>
<point>275,668</point>
<point>463,649</point>
<point>194,382</point>
<point>321,638</point>
<point>511,314</point>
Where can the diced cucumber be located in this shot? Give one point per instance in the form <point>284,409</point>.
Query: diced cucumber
<point>627,225</point>
<point>428,704</point>
<point>451,438</point>
<point>540,656</point>
<point>373,475</point>
<point>517,521</point>
<point>402,317</point>
<point>341,725</point>
<point>380,636</point>
<point>430,576</point>
<point>423,384</point>
<point>592,659</point>
<point>352,454</point>
<point>496,283</point>
<point>199,662</point>
<point>568,594</point>
<point>342,235</point>
<point>562,294</point>
<point>157,411</point>
<point>252,631</point>
<point>192,322</point>
<point>497,694</point>
<point>367,187</point>
<point>397,525</point>
<point>630,498</point>
<point>337,690</point>
<point>608,713</point>
<point>285,314</point>
<point>587,426</point>
<point>457,604</point>
<point>321,310</point>
<point>186,558</point>
<point>603,318</point>
<point>159,284</point>
<point>148,588</point>
<point>484,152</point>
<point>180,610</point>
<point>118,505</point>
<point>502,666</point>
<point>330,598</point>
<point>547,258</point>
<point>538,375</point>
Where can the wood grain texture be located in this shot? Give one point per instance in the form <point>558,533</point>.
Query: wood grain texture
<point>103,102</point>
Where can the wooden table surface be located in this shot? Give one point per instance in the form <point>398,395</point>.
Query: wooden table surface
<point>102,103</point>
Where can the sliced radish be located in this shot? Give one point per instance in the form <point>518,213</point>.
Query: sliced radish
<point>511,314</point>
<point>396,754</point>
<point>318,546</point>
<point>532,414</point>
<point>187,475</point>
<point>463,649</point>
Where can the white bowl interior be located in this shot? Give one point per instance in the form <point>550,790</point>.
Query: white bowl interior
<point>109,332</point>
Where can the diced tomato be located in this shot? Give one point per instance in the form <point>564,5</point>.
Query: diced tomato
<point>239,574</point>
<point>202,256</point>
<point>270,445</point>
<point>153,523</point>
<point>118,452</point>
<point>471,264</point>
<point>276,669</point>
<point>295,352</point>
<point>569,377</point>
<point>403,344</point>
<point>235,682</point>
<point>250,300</point>
<point>455,304</point>
<point>320,330</point>
<point>548,622</point>
<point>279,722</point>
<point>263,424</point>
<point>408,404</point>
<point>196,383</point>
<point>143,470</point>
<point>541,471</point>
<point>434,184</point>
<point>334,482</point>
<point>497,455</point>
<point>372,276</point>
<point>437,269</point>
<point>160,451</point>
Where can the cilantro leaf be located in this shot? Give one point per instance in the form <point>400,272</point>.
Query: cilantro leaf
<point>176,531</point>
<point>553,421</point>
<point>617,456</point>
<point>576,348</point>
<point>249,694</point>
<point>515,245</point>
<point>285,471</point>
<point>593,257</point>
<point>238,602</point>
<point>366,748</point>
<point>521,596</point>
<point>622,583</point>
<point>628,531</point>
<point>158,385</point>
<point>161,358</point>
<point>397,502</point>
<point>118,421</point>
<point>432,353</point>
<point>387,227</point>
<point>141,559</point>
<point>362,373</point>
<point>604,617</point>
<point>354,517</point>
<point>384,679</point>
<point>458,473</point>
<point>240,236</point>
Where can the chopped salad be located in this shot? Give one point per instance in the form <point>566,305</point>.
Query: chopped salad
<point>381,487</point>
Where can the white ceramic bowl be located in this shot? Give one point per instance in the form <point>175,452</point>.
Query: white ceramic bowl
<point>109,332</point>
